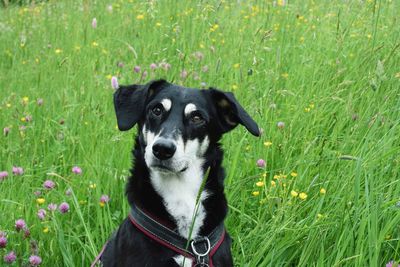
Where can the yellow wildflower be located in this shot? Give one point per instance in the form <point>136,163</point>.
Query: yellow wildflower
<point>158,24</point>
<point>45,230</point>
<point>101,204</point>
<point>322,191</point>
<point>255,193</point>
<point>307,109</point>
<point>267,143</point>
<point>236,66</point>
<point>294,193</point>
<point>264,175</point>
<point>8,105</point>
<point>273,183</point>
<point>234,86</point>
<point>40,200</point>
<point>140,17</point>
<point>293,174</point>
<point>109,76</point>
<point>92,186</point>
<point>23,119</point>
<point>303,196</point>
<point>95,44</point>
<point>285,75</point>
<point>260,184</point>
<point>319,216</point>
<point>58,51</point>
<point>25,100</point>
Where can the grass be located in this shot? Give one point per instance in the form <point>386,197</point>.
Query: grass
<point>330,70</point>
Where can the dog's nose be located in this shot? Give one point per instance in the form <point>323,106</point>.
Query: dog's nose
<point>164,149</point>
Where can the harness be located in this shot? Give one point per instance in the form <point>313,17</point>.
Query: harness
<point>199,249</point>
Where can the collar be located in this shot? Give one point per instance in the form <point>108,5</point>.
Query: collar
<point>199,249</point>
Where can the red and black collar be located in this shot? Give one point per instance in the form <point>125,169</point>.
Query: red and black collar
<point>199,249</point>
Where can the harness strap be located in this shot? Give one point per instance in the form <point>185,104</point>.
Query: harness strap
<point>200,249</point>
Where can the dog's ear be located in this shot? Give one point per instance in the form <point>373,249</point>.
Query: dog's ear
<point>231,113</point>
<point>130,102</point>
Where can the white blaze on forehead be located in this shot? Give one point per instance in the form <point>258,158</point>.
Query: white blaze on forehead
<point>167,104</point>
<point>190,108</point>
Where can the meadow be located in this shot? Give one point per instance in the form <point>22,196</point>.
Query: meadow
<point>320,187</point>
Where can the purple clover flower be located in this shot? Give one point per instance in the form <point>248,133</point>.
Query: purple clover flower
<point>35,260</point>
<point>20,224</point>
<point>3,175</point>
<point>10,257</point>
<point>184,74</point>
<point>76,170</point>
<point>136,69</point>
<point>41,214</point>
<point>3,241</point>
<point>114,82</point>
<point>68,192</point>
<point>64,207</point>
<point>49,184</point>
<point>104,199</point>
<point>17,170</point>
<point>94,23</point>
<point>261,163</point>
<point>6,130</point>
<point>153,66</point>
<point>52,207</point>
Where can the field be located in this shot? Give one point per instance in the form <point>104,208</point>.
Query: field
<point>321,78</point>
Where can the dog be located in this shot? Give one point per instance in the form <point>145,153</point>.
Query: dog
<point>176,148</point>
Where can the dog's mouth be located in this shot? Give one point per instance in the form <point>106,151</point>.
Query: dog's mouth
<point>164,168</point>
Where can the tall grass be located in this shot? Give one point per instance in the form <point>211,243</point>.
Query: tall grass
<point>329,70</point>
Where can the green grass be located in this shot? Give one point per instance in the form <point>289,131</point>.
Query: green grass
<point>330,70</point>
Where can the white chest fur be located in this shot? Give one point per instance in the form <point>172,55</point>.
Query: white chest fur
<point>179,194</point>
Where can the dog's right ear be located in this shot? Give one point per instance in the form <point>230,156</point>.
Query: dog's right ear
<point>130,102</point>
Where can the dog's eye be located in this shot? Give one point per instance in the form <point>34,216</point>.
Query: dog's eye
<point>196,118</point>
<point>158,110</point>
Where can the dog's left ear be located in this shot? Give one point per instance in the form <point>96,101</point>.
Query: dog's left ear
<point>130,102</point>
<point>231,113</point>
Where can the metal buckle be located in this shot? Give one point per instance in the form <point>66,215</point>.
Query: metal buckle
<point>198,240</point>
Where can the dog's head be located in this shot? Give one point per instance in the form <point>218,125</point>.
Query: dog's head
<point>178,124</point>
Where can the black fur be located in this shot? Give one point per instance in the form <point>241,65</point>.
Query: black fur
<point>129,246</point>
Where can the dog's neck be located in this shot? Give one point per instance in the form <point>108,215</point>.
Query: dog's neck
<point>171,199</point>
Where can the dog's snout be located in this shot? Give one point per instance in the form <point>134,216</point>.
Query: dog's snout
<point>164,149</point>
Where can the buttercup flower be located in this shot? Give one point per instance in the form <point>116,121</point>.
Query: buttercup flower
<point>10,257</point>
<point>40,200</point>
<point>20,224</point>
<point>76,170</point>
<point>49,184</point>
<point>294,193</point>
<point>303,196</point>
<point>64,207</point>
<point>17,170</point>
<point>35,260</point>
<point>322,191</point>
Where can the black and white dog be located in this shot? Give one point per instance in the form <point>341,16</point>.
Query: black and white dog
<point>177,142</point>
